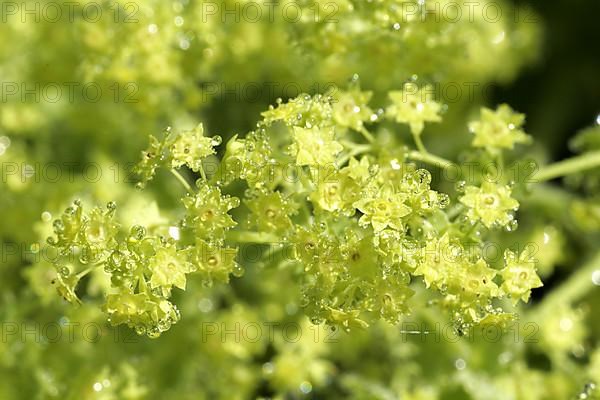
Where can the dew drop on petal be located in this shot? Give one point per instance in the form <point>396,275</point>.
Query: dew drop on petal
<point>596,277</point>
<point>460,364</point>
<point>184,44</point>
<point>306,387</point>
<point>174,232</point>
<point>268,368</point>
<point>566,324</point>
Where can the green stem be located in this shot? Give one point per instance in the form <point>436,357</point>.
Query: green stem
<point>431,159</point>
<point>202,173</point>
<point>356,150</point>
<point>367,134</point>
<point>455,211</point>
<point>419,143</point>
<point>569,166</point>
<point>182,180</point>
<point>86,271</point>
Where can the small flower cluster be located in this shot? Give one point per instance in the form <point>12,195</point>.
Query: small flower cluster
<point>187,148</point>
<point>364,222</point>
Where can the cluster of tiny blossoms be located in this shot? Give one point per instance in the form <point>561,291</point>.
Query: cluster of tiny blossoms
<point>365,226</point>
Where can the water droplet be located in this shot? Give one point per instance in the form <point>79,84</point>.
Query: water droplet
<point>111,205</point>
<point>205,305</point>
<point>140,330</point>
<point>566,324</point>
<point>174,232</point>
<point>396,26</point>
<point>460,364</point>
<point>4,144</point>
<point>184,43</point>
<point>423,176</point>
<point>306,387</point>
<point>153,333</point>
<point>217,140</point>
<point>443,200</point>
<point>268,368</point>
<point>596,277</point>
<point>238,271</point>
<point>460,186</point>
<point>512,225</point>
<point>164,325</point>
<point>138,232</point>
<point>58,225</point>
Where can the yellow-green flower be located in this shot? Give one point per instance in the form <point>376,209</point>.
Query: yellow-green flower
<point>316,146</point>
<point>191,147</point>
<point>207,212</point>
<point>414,106</point>
<point>491,204</point>
<point>216,263</point>
<point>500,129</point>
<point>386,209</point>
<point>350,109</point>
<point>519,276</point>
<point>270,212</point>
<point>169,268</point>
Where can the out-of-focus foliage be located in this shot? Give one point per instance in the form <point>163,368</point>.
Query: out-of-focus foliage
<point>321,254</point>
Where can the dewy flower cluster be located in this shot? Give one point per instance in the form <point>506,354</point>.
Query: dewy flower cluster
<point>349,206</point>
<point>350,217</point>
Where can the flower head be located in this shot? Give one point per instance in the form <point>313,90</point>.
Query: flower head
<point>500,129</point>
<point>190,147</point>
<point>169,268</point>
<point>207,212</point>
<point>385,209</point>
<point>351,110</point>
<point>519,276</point>
<point>414,106</point>
<point>315,146</point>
<point>491,204</point>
